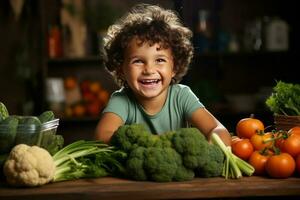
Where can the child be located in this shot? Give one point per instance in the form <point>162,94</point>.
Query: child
<point>148,52</point>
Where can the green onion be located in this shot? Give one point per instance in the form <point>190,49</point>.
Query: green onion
<point>234,167</point>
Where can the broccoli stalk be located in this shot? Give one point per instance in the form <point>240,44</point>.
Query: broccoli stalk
<point>234,167</point>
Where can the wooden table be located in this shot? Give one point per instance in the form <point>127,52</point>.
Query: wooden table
<point>113,188</point>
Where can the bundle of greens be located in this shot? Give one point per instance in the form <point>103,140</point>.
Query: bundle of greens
<point>87,159</point>
<point>175,156</point>
<point>285,99</point>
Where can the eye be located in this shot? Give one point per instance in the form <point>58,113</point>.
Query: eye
<point>160,60</point>
<point>137,61</point>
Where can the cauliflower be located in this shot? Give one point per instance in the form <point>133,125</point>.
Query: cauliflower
<point>29,166</point>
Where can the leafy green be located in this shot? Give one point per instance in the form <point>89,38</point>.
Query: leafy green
<point>3,111</point>
<point>86,159</point>
<point>285,99</point>
<point>46,116</point>
<point>8,131</point>
<point>51,142</point>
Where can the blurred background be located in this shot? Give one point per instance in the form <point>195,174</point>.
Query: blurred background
<point>49,56</point>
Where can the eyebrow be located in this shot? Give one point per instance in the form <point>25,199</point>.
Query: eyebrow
<point>158,55</point>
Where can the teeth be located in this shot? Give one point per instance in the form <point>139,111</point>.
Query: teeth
<point>150,81</point>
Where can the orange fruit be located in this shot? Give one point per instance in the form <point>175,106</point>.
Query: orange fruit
<point>103,96</point>
<point>79,110</point>
<point>95,87</point>
<point>70,82</point>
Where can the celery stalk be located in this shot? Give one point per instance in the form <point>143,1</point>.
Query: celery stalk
<point>234,166</point>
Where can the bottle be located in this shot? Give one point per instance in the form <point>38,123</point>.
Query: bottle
<point>203,32</point>
<point>54,42</point>
<point>277,35</point>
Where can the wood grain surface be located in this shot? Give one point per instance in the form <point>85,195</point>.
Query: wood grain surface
<point>198,188</point>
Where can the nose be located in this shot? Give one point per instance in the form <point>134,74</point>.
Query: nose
<point>148,69</point>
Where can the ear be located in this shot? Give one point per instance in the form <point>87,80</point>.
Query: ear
<point>174,72</point>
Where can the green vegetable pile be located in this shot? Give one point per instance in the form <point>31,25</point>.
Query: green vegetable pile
<point>31,130</point>
<point>285,99</point>
<point>175,156</point>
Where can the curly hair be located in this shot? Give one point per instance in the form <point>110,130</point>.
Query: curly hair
<point>151,24</point>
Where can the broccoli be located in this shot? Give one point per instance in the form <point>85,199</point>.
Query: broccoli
<point>129,137</point>
<point>193,147</point>
<point>172,156</point>
<point>135,164</point>
<point>161,163</point>
<point>157,164</point>
<point>214,167</point>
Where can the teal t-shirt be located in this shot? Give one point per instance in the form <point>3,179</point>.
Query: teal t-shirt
<point>180,104</point>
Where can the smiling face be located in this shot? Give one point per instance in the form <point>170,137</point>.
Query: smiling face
<point>148,70</point>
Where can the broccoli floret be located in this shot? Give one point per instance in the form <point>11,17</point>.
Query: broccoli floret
<point>162,163</point>
<point>135,164</point>
<point>193,147</point>
<point>165,140</point>
<point>148,140</point>
<point>214,165</point>
<point>183,174</point>
<point>127,137</point>
<point>197,154</point>
<point>157,164</point>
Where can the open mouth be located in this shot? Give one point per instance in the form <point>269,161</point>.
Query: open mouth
<point>149,81</point>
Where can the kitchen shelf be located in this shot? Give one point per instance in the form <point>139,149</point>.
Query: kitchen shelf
<point>241,55</point>
<point>91,60</point>
<point>79,119</point>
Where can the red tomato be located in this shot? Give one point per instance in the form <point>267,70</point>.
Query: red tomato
<point>235,139</point>
<point>291,145</point>
<point>298,164</point>
<point>281,166</point>
<point>295,130</point>
<point>258,161</point>
<point>280,136</point>
<point>242,149</point>
<point>261,141</point>
<point>247,127</point>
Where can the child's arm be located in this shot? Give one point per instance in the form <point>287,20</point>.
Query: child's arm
<point>208,124</point>
<point>107,125</point>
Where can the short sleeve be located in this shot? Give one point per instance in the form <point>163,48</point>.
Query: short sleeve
<point>189,101</point>
<point>118,104</point>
